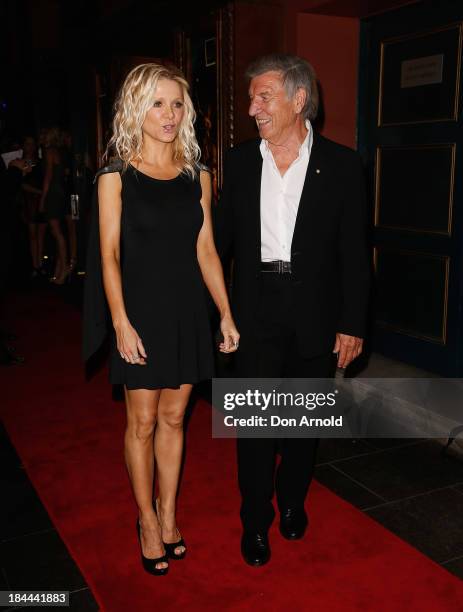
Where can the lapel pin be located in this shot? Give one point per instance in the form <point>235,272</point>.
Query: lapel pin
<point>317,170</point>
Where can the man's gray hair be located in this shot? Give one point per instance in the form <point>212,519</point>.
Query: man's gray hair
<point>296,73</point>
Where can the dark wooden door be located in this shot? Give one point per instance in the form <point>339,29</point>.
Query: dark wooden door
<point>410,132</point>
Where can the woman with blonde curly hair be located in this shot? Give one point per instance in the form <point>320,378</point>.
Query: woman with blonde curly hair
<point>157,248</point>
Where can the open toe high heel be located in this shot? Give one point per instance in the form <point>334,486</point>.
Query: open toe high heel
<point>170,547</point>
<point>149,565</point>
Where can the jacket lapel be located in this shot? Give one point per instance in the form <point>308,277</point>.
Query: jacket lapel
<point>312,188</point>
<point>255,177</point>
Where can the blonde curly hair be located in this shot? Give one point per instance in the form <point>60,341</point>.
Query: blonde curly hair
<point>52,137</point>
<point>134,100</point>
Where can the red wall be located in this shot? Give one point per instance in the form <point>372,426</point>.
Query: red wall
<point>292,9</point>
<point>331,45</point>
<point>251,21</point>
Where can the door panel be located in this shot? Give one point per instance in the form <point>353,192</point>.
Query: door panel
<point>410,137</point>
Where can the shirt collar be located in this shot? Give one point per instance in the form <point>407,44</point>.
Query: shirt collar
<point>304,148</point>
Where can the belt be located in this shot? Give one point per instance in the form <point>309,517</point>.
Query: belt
<point>278,267</point>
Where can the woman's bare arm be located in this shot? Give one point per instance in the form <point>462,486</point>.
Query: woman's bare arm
<point>31,189</point>
<point>211,269</point>
<point>129,343</point>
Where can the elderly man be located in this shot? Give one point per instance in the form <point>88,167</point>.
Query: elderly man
<point>293,211</point>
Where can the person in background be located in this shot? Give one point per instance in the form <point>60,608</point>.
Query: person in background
<point>68,160</point>
<point>31,193</point>
<point>83,185</point>
<point>54,200</point>
<point>10,185</point>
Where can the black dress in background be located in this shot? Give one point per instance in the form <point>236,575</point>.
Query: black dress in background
<point>56,204</point>
<point>31,200</point>
<point>161,282</point>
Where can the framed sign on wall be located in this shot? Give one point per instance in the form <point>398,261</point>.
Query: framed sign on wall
<point>419,77</point>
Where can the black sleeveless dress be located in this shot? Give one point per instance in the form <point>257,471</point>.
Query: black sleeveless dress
<point>162,285</point>
<point>56,205</point>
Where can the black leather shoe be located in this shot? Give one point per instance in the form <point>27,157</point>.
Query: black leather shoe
<point>293,523</point>
<point>255,548</point>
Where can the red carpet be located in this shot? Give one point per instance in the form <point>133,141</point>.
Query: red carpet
<point>69,435</point>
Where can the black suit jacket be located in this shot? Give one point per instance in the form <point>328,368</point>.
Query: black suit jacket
<point>330,267</point>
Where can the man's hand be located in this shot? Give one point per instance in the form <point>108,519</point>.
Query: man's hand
<point>348,348</point>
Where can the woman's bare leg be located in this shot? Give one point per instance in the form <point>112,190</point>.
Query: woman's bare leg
<point>33,244</point>
<point>142,407</point>
<point>60,266</point>
<point>41,229</point>
<point>168,450</point>
<point>71,225</point>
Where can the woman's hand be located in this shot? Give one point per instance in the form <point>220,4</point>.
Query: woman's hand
<point>21,164</point>
<point>17,163</point>
<point>129,344</point>
<point>230,334</point>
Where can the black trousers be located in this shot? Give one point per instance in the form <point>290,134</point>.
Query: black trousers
<point>276,354</point>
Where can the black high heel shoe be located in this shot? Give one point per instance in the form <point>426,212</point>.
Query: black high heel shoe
<point>170,548</point>
<point>149,565</point>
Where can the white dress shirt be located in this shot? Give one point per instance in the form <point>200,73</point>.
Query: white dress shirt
<point>279,200</point>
